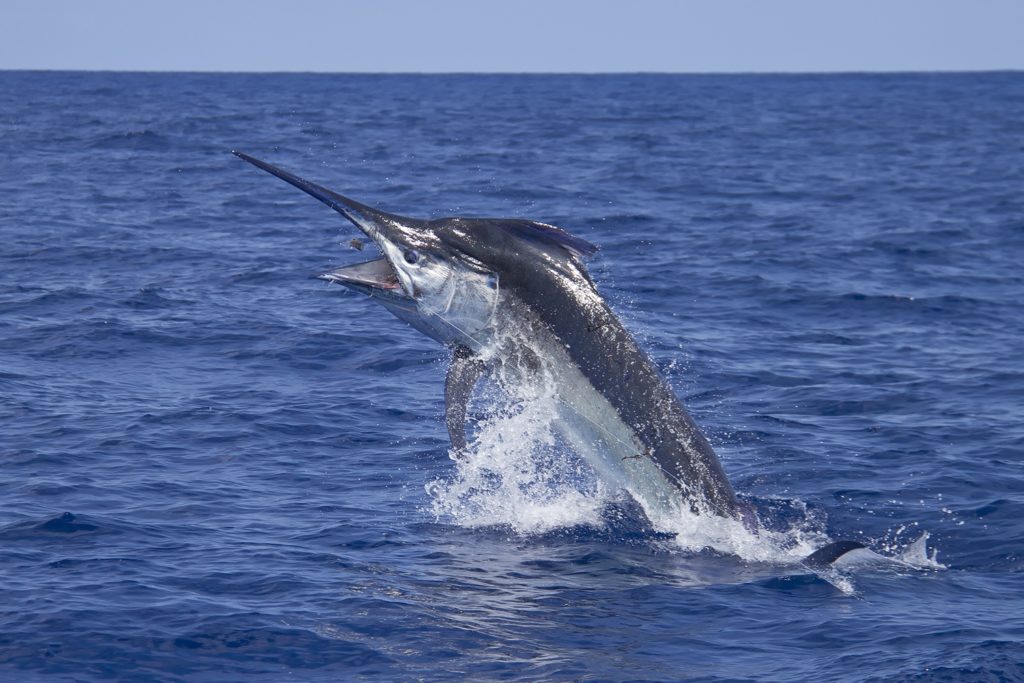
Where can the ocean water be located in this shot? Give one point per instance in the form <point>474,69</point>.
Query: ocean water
<point>215,468</point>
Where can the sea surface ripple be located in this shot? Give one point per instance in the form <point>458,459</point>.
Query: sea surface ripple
<point>215,468</point>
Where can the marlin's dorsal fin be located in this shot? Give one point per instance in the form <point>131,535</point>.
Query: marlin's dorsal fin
<point>550,234</point>
<point>463,374</point>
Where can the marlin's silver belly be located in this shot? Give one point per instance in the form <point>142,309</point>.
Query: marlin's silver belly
<point>597,432</point>
<point>585,420</point>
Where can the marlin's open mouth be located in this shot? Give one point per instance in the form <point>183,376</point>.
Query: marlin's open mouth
<point>376,277</point>
<point>365,277</point>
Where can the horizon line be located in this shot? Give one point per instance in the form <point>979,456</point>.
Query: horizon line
<point>641,72</point>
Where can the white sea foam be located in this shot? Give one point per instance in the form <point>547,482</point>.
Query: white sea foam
<point>515,472</point>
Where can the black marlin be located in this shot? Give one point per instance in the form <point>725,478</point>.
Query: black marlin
<point>495,289</point>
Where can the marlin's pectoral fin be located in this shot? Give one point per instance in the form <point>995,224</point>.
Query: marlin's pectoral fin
<point>463,374</point>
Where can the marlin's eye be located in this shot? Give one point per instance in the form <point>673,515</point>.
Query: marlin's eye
<point>410,256</point>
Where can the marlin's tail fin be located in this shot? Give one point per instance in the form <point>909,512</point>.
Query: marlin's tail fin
<point>823,557</point>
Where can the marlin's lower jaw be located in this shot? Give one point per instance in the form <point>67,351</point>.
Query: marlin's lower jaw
<point>376,278</point>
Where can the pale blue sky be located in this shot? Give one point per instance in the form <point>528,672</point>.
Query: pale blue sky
<point>514,35</point>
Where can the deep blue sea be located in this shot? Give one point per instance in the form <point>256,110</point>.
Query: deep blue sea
<point>216,468</point>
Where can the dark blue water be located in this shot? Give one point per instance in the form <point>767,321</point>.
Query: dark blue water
<point>217,469</point>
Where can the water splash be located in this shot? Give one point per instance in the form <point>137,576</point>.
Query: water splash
<point>516,472</point>
<point>519,473</point>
